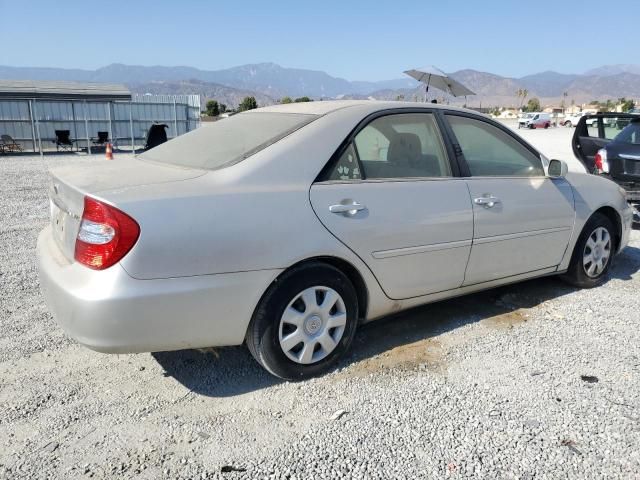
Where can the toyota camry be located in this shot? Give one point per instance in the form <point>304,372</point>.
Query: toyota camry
<point>286,227</point>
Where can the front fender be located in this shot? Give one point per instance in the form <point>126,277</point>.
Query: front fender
<point>592,193</point>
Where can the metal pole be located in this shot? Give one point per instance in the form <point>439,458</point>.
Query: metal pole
<point>175,117</point>
<point>110,126</point>
<point>133,147</point>
<point>86,126</point>
<point>75,127</point>
<point>33,128</point>
<point>35,114</point>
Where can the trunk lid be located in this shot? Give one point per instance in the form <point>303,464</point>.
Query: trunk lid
<point>69,185</point>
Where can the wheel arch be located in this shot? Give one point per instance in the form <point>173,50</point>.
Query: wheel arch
<point>347,268</point>
<point>614,217</point>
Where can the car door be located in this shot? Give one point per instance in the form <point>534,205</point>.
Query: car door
<point>588,138</point>
<point>522,219</point>
<point>390,195</point>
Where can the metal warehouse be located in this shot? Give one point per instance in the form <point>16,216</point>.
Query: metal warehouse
<point>48,116</point>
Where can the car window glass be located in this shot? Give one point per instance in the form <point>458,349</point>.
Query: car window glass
<point>611,129</point>
<point>347,166</point>
<point>230,140</point>
<point>491,152</point>
<point>401,146</point>
<point>592,127</point>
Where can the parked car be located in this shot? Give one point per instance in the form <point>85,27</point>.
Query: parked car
<point>535,120</point>
<point>612,153</point>
<point>572,120</point>
<point>622,121</point>
<point>286,227</point>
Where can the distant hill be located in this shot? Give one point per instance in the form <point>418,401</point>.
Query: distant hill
<point>548,84</point>
<point>267,78</point>
<point>269,82</point>
<point>231,97</point>
<point>607,70</point>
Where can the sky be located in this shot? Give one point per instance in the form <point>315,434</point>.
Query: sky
<point>356,40</point>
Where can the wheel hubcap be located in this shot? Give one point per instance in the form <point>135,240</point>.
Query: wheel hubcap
<point>312,325</point>
<point>596,252</point>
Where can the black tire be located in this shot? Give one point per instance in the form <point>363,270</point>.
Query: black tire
<point>263,333</point>
<point>576,274</point>
<point>546,125</point>
<point>567,124</point>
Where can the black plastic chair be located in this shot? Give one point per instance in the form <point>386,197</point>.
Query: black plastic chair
<point>156,135</point>
<point>103,137</point>
<point>63,141</point>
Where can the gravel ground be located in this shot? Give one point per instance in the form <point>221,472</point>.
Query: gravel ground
<point>535,380</point>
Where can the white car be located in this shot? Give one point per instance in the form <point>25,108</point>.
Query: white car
<point>572,119</point>
<point>286,227</point>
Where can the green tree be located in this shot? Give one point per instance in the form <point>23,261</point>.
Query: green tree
<point>223,108</point>
<point>286,100</point>
<point>213,109</point>
<point>533,105</point>
<point>522,94</point>
<point>302,99</point>
<point>248,103</point>
<point>626,105</point>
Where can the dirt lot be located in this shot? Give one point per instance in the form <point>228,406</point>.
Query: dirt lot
<point>535,380</point>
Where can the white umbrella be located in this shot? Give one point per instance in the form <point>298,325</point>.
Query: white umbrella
<point>432,76</point>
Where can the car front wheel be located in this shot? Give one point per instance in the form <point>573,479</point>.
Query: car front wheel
<point>593,253</point>
<point>305,322</point>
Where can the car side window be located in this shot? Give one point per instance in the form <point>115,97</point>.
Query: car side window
<point>489,151</point>
<point>402,146</point>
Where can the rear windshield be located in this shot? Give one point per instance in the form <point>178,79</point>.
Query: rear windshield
<point>629,134</point>
<point>228,140</point>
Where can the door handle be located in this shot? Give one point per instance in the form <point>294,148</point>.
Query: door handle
<point>488,201</point>
<point>346,208</point>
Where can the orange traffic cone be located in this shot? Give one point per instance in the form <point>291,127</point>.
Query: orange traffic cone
<point>108,152</point>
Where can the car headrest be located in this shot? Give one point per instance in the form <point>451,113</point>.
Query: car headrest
<point>404,149</point>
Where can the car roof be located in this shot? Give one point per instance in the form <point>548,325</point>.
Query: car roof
<point>323,107</point>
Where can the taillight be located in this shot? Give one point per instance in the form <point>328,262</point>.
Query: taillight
<point>600,160</point>
<point>106,235</point>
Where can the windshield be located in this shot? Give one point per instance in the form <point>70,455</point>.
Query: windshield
<point>227,141</point>
<point>629,134</point>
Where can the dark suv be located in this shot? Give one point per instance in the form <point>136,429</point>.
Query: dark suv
<point>612,149</point>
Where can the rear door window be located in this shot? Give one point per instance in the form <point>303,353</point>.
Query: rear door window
<point>395,146</point>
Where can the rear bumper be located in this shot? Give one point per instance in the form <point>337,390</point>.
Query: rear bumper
<point>109,311</point>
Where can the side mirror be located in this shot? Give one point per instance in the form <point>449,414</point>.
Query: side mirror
<point>557,169</point>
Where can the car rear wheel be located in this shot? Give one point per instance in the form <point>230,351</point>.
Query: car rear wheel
<point>593,253</point>
<point>305,322</point>
<point>567,124</point>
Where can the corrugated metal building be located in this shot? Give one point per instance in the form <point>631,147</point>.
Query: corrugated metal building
<point>32,111</point>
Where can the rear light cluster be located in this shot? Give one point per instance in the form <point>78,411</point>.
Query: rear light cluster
<point>600,160</point>
<point>106,235</point>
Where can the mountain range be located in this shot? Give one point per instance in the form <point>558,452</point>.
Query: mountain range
<point>269,82</point>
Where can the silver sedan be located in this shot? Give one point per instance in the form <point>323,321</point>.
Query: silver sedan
<point>286,227</point>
